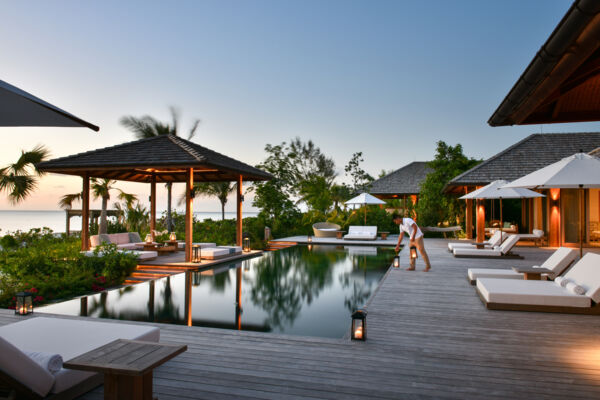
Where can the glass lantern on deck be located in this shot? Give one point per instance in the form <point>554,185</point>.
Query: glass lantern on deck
<point>148,239</point>
<point>358,330</point>
<point>246,244</point>
<point>172,237</point>
<point>396,262</point>
<point>413,252</point>
<point>196,253</point>
<point>24,304</point>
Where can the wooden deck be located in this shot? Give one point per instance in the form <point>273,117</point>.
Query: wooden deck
<point>429,336</point>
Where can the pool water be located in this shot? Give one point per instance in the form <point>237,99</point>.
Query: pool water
<point>301,290</point>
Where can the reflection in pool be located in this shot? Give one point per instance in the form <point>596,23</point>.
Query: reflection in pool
<point>296,290</point>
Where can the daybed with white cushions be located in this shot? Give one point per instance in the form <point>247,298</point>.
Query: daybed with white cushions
<point>558,262</point>
<point>361,233</point>
<point>215,253</point>
<point>124,241</point>
<point>502,251</point>
<point>548,296</point>
<point>66,337</point>
<point>495,240</point>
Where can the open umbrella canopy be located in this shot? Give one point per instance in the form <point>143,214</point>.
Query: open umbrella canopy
<point>497,190</point>
<point>574,172</point>
<point>19,108</point>
<point>364,198</point>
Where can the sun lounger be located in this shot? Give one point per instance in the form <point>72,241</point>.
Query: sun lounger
<point>361,233</point>
<point>547,296</point>
<point>537,236</point>
<point>66,337</point>
<point>502,251</point>
<point>215,253</point>
<point>558,262</point>
<point>495,240</point>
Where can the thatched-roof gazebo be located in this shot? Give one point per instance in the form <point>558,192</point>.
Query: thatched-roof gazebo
<point>164,158</point>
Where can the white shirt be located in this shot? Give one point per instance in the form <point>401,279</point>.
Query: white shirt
<point>406,226</point>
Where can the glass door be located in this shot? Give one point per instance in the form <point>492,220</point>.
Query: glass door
<point>570,216</point>
<point>593,212</point>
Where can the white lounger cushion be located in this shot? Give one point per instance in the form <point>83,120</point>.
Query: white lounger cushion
<point>586,273</point>
<point>361,232</point>
<point>539,293</point>
<point>22,368</point>
<point>497,251</point>
<point>221,251</point>
<point>557,262</point>
<point>494,240</point>
<point>71,338</point>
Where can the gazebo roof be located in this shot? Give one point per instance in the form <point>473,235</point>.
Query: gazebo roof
<point>404,181</point>
<point>165,156</point>
<point>562,82</point>
<point>532,153</point>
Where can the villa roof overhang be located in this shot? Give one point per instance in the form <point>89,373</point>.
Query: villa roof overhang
<point>163,158</point>
<point>401,182</point>
<point>562,82</point>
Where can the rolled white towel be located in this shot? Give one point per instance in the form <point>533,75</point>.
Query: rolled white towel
<point>560,281</point>
<point>51,362</point>
<point>575,288</point>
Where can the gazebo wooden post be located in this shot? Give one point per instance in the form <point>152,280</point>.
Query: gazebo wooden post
<point>469,219</point>
<point>240,198</point>
<point>189,213</point>
<point>153,206</point>
<point>85,213</point>
<point>480,221</point>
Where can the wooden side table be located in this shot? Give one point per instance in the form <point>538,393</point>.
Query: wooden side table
<point>384,235</point>
<point>339,234</point>
<point>149,246</point>
<point>127,366</point>
<point>532,274</point>
<point>480,245</point>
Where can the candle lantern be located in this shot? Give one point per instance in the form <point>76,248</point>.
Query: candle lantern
<point>172,237</point>
<point>413,252</point>
<point>396,263</point>
<point>246,244</point>
<point>148,238</point>
<point>196,253</point>
<point>359,325</point>
<point>24,304</point>
<point>309,239</point>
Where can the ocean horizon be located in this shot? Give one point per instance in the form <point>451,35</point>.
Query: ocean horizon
<point>24,220</point>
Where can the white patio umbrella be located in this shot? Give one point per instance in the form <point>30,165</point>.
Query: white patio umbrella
<point>19,108</point>
<point>363,199</point>
<point>497,190</point>
<point>579,171</point>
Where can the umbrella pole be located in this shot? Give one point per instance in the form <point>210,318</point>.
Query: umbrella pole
<point>365,214</point>
<point>501,222</point>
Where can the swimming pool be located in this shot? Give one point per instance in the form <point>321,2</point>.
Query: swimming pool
<point>301,290</point>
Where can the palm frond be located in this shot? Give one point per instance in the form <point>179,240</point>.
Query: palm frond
<point>22,186</point>
<point>193,129</point>
<point>31,158</point>
<point>67,200</point>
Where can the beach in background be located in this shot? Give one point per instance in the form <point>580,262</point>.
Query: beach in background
<point>11,221</point>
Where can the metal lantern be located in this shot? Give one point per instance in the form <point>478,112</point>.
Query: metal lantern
<point>358,330</point>
<point>396,263</point>
<point>196,253</point>
<point>246,244</point>
<point>148,238</point>
<point>172,237</point>
<point>24,304</point>
<point>413,252</point>
<point>309,239</point>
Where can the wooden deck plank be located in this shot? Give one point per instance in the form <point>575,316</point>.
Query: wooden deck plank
<point>429,336</point>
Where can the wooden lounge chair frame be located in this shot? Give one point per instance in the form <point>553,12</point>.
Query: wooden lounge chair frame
<point>474,281</point>
<point>593,310</point>
<point>8,383</point>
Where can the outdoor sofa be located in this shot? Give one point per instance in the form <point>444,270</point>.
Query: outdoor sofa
<point>124,241</point>
<point>493,241</point>
<point>361,233</point>
<point>325,229</point>
<point>502,251</point>
<point>580,293</point>
<point>558,263</point>
<point>68,338</point>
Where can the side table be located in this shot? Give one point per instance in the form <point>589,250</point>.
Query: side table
<point>127,366</point>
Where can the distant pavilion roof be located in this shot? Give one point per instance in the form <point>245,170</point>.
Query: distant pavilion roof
<point>165,156</point>
<point>404,181</point>
<point>562,82</point>
<point>530,154</point>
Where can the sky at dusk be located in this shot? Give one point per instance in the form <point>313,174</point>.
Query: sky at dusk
<point>388,78</point>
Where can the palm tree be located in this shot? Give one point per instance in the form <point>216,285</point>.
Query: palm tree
<point>147,127</point>
<point>221,190</point>
<point>100,189</point>
<point>20,179</point>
